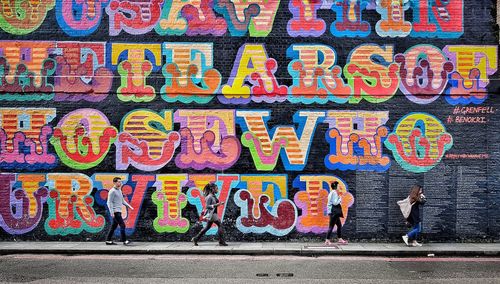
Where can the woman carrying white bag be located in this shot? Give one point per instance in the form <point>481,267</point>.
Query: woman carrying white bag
<point>410,207</point>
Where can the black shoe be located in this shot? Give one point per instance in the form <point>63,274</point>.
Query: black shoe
<point>195,242</point>
<point>127,242</point>
<point>223,244</point>
<point>109,243</point>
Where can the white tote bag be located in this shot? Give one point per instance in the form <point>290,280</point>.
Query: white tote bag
<point>405,206</point>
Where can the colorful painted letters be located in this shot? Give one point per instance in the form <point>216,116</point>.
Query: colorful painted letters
<point>82,138</point>
<point>133,17</point>
<point>135,62</point>
<point>264,205</point>
<point>24,138</point>
<point>207,139</point>
<point>85,71</point>
<point>25,69</point>
<point>80,17</point>
<point>70,205</point>
<point>356,139</point>
<point>187,66</point>
<point>81,72</point>
<point>418,142</point>
<point>147,140</point>
<point>271,100</point>
<point>22,17</point>
<point>24,194</point>
<point>473,65</point>
<point>265,150</point>
<point>77,18</point>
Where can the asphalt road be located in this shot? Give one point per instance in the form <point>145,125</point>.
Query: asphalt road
<point>244,269</point>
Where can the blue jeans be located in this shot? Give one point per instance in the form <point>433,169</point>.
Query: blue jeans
<point>413,234</point>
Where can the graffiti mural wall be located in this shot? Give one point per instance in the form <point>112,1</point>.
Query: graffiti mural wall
<point>272,100</point>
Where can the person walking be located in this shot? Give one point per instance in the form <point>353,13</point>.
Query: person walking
<point>335,212</point>
<point>416,198</point>
<point>114,203</point>
<point>211,204</point>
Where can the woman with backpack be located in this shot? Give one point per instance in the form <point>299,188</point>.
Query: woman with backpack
<point>335,213</point>
<point>416,199</point>
<point>211,203</point>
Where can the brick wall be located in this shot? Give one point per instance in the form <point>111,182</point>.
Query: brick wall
<point>272,100</point>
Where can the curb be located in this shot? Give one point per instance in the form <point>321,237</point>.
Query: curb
<point>236,251</point>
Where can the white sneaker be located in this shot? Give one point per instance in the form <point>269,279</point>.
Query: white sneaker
<point>405,239</point>
<point>416,244</point>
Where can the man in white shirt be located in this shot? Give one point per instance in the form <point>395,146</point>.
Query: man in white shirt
<point>115,202</point>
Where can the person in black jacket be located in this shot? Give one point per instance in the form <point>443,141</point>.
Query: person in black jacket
<point>417,198</point>
<point>211,204</point>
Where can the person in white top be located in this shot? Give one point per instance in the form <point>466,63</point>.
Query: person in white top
<point>335,213</point>
<point>114,203</point>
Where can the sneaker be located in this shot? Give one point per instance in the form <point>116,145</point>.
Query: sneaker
<point>405,239</point>
<point>416,244</point>
<point>342,242</point>
<point>110,243</point>
<point>194,241</point>
<point>223,244</point>
<point>327,242</point>
<point>126,243</point>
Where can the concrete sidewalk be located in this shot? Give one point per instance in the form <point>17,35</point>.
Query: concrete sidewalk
<point>260,248</point>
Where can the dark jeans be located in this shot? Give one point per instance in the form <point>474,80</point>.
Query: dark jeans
<point>117,220</point>
<point>220,230</point>
<point>334,220</point>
